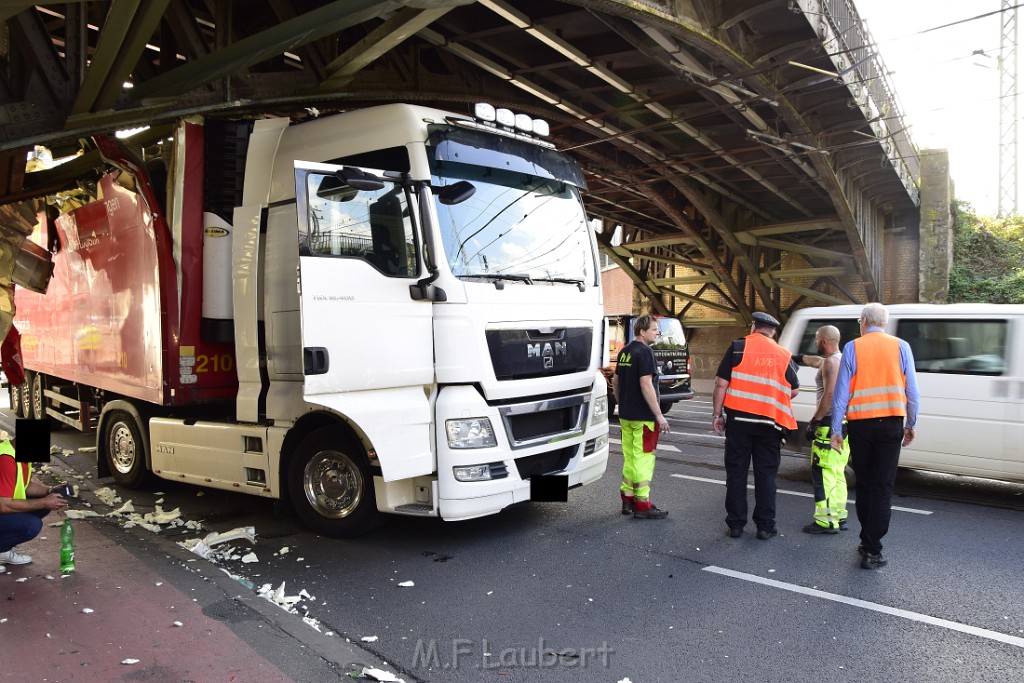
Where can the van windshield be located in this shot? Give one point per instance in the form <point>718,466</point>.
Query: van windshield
<point>671,336</point>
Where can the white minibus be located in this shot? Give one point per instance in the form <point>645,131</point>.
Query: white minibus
<point>970,371</point>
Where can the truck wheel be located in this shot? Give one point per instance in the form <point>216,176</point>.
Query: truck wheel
<point>665,407</point>
<point>124,449</point>
<point>38,404</point>
<point>17,407</point>
<point>330,486</point>
<point>25,396</point>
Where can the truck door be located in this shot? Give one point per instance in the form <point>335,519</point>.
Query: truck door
<point>367,345</point>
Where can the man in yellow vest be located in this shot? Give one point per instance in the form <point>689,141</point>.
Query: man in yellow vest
<point>876,391</point>
<point>755,383</point>
<point>23,504</point>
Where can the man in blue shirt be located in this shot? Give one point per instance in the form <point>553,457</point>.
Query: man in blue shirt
<point>876,391</point>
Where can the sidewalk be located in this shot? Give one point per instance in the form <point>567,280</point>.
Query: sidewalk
<point>140,608</point>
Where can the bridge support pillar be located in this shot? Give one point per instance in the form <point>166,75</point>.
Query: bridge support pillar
<point>936,227</point>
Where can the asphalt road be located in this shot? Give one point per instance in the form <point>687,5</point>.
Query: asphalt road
<point>545,592</point>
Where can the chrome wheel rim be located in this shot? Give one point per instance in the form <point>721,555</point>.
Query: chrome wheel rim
<point>37,397</point>
<point>122,448</point>
<point>333,484</point>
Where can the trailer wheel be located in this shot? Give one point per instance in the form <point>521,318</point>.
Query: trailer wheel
<point>17,407</point>
<point>665,407</point>
<point>124,449</point>
<point>330,486</point>
<point>38,403</point>
<point>25,396</point>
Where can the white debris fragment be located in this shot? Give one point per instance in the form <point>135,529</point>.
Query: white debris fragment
<point>125,509</point>
<point>202,546</point>
<point>304,594</point>
<point>249,558</point>
<point>178,624</point>
<point>108,496</point>
<point>381,675</point>
<point>626,680</point>
<point>54,450</point>
<point>3,621</point>
<point>129,661</point>
<point>490,592</point>
<point>67,452</point>
<point>87,449</point>
<point>407,584</point>
<point>87,610</point>
<point>49,577</point>
<point>159,583</point>
<point>283,551</point>
<point>21,580</point>
<point>158,501</point>
<point>312,622</point>
<point>369,639</point>
<point>80,514</point>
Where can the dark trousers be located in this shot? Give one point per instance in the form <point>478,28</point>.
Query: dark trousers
<point>875,452</point>
<point>19,527</point>
<point>746,441</point>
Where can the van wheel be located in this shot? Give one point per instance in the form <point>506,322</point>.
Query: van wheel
<point>330,486</point>
<point>665,407</point>
<point>124,449</point>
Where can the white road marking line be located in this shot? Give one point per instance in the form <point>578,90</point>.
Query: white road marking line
<point>873,606</point>
<point>668,447</point>
<point>796,493</point>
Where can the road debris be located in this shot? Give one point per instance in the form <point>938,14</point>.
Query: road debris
<point>380,675</point>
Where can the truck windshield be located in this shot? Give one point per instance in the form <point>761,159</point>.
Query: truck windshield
<point>520,227</point>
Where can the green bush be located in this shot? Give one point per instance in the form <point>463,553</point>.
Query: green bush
<point>988,258</point>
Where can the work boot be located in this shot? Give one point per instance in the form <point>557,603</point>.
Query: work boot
<point>12,556</point>
<point>873,561</point>
<point>650,513</point>
<point>765,534</point>
<point>735,531</point>
<point>627,506</point>
<point>843,526</point>
<point>815,528</point>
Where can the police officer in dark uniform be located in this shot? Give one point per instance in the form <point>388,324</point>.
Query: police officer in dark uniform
<point>753,386</point>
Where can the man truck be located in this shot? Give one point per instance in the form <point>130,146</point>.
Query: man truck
<point>395,309</point>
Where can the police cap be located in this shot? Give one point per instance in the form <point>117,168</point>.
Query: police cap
<point>763,319</point>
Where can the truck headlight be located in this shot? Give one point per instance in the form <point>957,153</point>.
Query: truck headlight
<point>474,432</point>
<point>600,410</point>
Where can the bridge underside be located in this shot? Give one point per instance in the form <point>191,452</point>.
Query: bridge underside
<point>751,151</point>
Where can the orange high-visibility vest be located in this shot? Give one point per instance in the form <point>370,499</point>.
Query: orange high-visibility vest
<point>24,471</point>
<point>759,385</point>
<point>878,387</point>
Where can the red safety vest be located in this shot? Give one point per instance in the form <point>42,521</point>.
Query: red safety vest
<point>759,385</point>
<point>878,388</point>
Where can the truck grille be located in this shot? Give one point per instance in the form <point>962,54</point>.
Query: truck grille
<point>545,463</point>
<point>547,421</point>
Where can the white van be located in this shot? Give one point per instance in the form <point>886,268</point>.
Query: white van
<point>970,370</point>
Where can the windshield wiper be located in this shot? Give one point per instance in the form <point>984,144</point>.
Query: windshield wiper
<point>498,278</point>
<point>567,280</point>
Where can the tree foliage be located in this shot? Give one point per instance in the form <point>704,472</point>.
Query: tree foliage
<point>988,258</point>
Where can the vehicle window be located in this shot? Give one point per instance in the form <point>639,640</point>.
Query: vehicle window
<point>369,225</point>
<point>616,337</point>
<point>849,329</point>
<point>960,347</point>
<point>671,336</point>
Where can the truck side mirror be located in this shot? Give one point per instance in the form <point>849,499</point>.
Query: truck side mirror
<point>358,179</point>
<point>456,193</point>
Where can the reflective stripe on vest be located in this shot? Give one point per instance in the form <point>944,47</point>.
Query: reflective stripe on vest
<point>24,471</point>
<point>758,384</point>
<point>878,388</point>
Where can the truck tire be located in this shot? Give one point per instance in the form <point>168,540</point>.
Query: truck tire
<point>25,395</point>
<point>124,449</point>
<point>665,407</point>
<point>330,486</point>
<point>38,403</point>
<point>17,406</point>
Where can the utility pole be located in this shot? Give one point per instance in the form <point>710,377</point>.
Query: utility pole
<point>1008,108</point>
